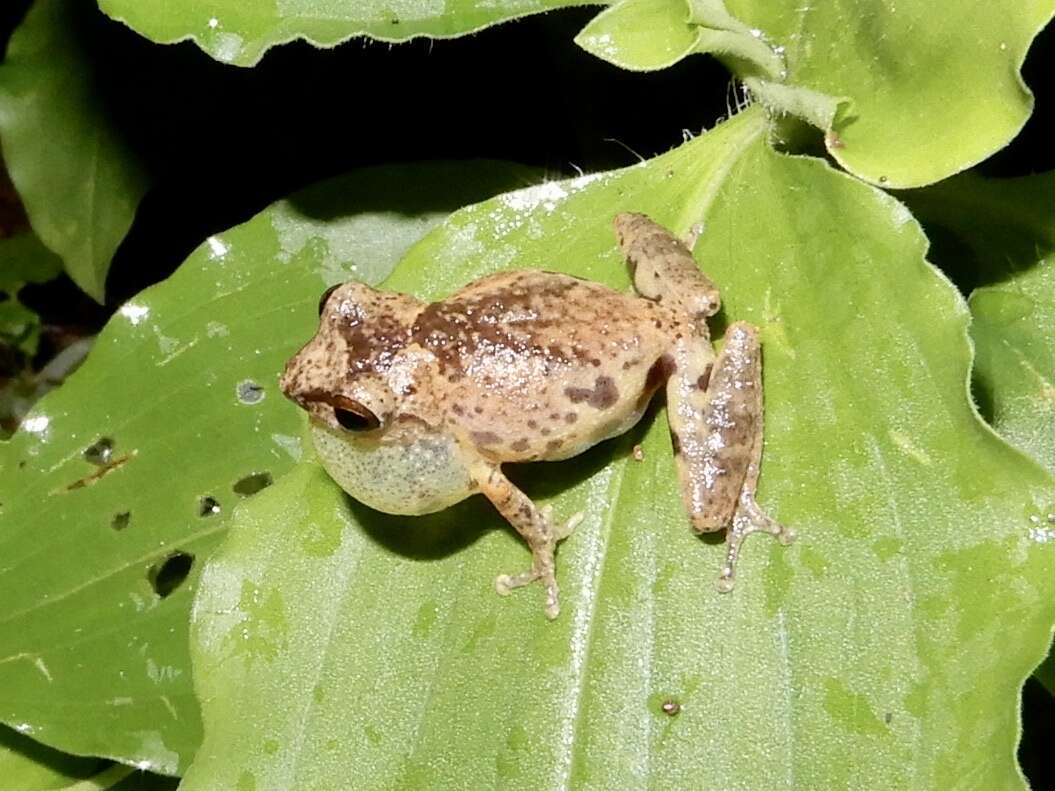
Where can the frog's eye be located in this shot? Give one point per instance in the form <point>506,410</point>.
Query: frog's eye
<point>326,295</point>
<point>353,416</point>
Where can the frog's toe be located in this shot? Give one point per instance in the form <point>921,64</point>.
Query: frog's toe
<point>552,600</point>
<point>565,530</point>
<point>506,583</point>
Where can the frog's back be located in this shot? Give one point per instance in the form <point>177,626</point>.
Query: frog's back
<point>540,365</point>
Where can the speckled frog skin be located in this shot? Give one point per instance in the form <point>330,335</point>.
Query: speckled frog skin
<point>416,406</point>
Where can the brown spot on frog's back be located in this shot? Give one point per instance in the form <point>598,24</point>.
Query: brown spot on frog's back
<point>485,438</point>
<point>520,445</point>
<point>605,393</point>
<point>602,395</point>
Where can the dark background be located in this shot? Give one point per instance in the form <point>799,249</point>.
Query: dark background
<point>222,142</point>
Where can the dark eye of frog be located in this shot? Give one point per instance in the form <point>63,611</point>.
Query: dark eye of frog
<point>326,295</point>
<point>353,416</point>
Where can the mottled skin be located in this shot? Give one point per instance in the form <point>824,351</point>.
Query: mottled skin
<point>416,406</point>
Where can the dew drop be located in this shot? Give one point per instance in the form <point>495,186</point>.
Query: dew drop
<point>134,313</point>
<point>36,425</point>
<point>208,506</point>
<point>100,452</point>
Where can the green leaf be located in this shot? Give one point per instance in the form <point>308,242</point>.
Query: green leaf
<point>1003,232</point>
<point>182,386</point>
<point>985,230</point>
<point>241,32</point>
<point>23,259</point>
<point>332,642</point>
<point>643,35</point>
<point>29,766</point>
<point>907,93</point>
<point>77,178</point>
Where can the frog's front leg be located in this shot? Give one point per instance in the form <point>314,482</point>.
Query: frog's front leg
<point>535,526</point>
<point>716,427</point>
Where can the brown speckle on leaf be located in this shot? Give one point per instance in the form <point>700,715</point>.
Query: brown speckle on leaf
<point>670,707</point>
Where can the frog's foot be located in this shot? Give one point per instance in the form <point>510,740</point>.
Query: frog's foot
<point>561,532</point>
<point>748,519</point>
<point>542,568</point>
<point>543,565</point>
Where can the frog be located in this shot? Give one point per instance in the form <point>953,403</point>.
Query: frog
<point>414,406</point>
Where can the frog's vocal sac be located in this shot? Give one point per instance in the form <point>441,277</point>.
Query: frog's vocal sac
<point>416,406</point>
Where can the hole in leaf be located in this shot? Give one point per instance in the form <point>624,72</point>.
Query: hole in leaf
<point>251,484</point>
<point>100,452</point>
<point>208,506</point>
<point>168,575</point>
<point>249,392</point>
<point>121,520</point>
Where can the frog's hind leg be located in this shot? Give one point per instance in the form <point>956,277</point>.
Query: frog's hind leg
<point>749,518</point>
<point>716,429</point>
<point>535,526</point>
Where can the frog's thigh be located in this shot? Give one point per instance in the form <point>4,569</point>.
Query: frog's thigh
<point>534,526</point>
<point>718,444</point>
<point>715,416</point>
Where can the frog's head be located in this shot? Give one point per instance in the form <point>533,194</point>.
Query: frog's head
<point>356,380</point>
<point>341,376</point>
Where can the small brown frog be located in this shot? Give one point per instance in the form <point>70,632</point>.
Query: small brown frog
<point>414,406</point>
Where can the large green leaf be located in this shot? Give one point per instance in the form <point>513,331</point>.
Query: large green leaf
<point>241,31</point>
<point>908,92</point>
<point>23,259</point>
<point>76,176</point>
<point>1002,232</point>
<point>181,385</point>
<point>1005,231</point>
<point>28,766</point>
<point>332,642</point>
